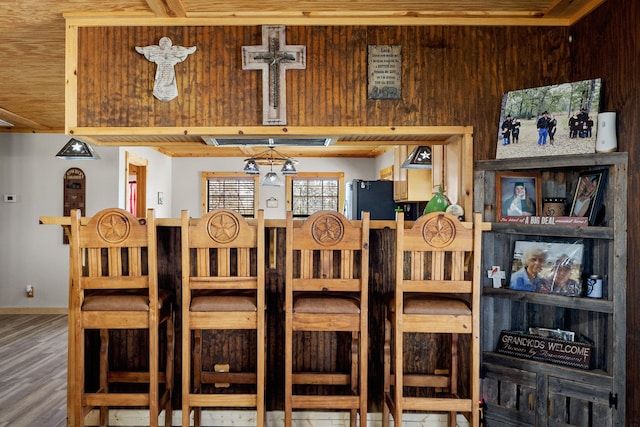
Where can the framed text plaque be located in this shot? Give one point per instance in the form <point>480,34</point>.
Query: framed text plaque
<point>384,72</point>
<point>74,195</point>
<point>534,347</point>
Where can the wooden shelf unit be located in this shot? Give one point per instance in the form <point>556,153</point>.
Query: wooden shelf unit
<point>523,392</point>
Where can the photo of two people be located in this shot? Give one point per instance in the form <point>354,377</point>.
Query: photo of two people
<point>547,268</point>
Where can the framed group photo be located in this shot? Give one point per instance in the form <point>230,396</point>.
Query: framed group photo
<point>588,196</point>
<point>551,120</point>
<point>518,194</point>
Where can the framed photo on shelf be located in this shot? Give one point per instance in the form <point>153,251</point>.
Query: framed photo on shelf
<point>518,194</point>
<point>553,333</point>
<point>547,267</point>
<point>588,196</point>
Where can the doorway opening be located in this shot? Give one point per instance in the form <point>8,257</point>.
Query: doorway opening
<point>136,185</point>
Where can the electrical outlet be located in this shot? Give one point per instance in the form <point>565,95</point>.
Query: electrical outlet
<point>30,291</point>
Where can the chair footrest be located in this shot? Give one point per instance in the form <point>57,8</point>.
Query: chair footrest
<point>115,399</point>
<point>325,402</point>
<point>222,400</point>
<point>433,381</point>
<point>436,404</point>
<point>321,379</point>
<point>132,377</point>
<point>210,377</point>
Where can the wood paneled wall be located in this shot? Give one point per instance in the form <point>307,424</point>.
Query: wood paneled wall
<point>450,76</point>
<point>607,44</point>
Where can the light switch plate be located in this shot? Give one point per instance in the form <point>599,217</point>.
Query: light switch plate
<point>9,198</point>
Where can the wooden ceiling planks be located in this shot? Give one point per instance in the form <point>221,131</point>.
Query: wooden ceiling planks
<point>32,39</point>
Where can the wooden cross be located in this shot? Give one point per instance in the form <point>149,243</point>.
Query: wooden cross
<point>274,58</point>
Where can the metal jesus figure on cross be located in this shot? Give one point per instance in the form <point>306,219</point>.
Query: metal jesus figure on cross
<point>274,58</point>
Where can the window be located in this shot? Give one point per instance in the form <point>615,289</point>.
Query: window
<point>312,192</point>
<point>229,190</point>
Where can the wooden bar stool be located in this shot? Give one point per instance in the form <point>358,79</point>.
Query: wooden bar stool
<point>223,292</point>
<point>327,271</point>
<point>115,288</point>
<point>437,295</point>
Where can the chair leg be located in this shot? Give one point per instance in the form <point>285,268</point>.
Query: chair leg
<point>186,373</point>
<point>197,370</point>
<point>364,373</point>
<point>354,361</point>
<point>453,385</point>
<point>386,373</point>
<point>355,368</point>
<point>288,372</point>
<point>154,367</point>
<point>261,360</point>
<point>454,365</point>
<point>104,373</point>
<point>287,418</point>
<point>169,371</point>
<point>398,379</point>
<point>78,376</point>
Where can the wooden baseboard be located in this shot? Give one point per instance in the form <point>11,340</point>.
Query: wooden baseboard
<point>34,310</point>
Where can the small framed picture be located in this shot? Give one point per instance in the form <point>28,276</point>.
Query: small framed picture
<point>272,202</point>
<point>518,194</point>
<point>589,193</point>
<point>553,333</point>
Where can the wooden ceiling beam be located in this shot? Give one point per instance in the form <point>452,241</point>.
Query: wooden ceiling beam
<point>167,8</point>
<point>19,121</point>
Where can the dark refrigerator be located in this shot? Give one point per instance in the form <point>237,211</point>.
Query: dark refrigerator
<point>376,197</point>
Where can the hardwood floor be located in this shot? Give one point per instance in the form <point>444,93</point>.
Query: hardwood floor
<point>33,370</point>
<point>33,381</point>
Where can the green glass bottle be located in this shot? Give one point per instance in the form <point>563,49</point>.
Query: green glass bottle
<point>438,203</point>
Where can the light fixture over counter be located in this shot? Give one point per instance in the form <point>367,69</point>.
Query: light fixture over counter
<point>419,158</point>
<point>77,150</point>
<point>270,157</point>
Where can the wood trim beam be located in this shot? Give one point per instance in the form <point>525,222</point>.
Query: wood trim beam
<point>346,18</point>
<point>71,77</point>
<point>275,131</point>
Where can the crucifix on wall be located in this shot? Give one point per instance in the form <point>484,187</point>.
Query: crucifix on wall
<point>274,57</point>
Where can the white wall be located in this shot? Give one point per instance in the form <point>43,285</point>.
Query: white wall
<point>32,253</point>
<point>186,181</point>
